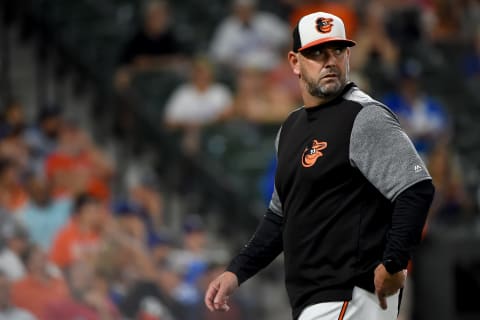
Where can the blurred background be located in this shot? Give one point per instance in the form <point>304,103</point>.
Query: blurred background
<point>137,148</point>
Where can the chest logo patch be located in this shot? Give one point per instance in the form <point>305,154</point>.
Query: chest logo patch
<point>312,153</point>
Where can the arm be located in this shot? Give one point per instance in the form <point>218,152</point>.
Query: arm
<point>408,219</point>
<point>265,245</point>
<point>384,154</point>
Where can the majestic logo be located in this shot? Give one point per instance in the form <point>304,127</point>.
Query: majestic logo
<point>324,25</point>
<point>312,153</point>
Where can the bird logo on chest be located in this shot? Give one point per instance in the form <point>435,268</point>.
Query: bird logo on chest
<point>312,153</point>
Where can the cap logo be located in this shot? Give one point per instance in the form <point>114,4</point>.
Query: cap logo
<point>324,25</point>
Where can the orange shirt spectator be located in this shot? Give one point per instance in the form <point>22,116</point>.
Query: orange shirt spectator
<point>72,243</point>
<point>78,165</point>
<point>80,238</point>
<point>77,169</point>
<point>41,286</point>
<point>343,10</point>
<point>35,294</point>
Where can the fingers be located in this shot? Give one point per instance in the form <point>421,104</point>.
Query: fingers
<point>216,298</point>
<point>221,299</point>
<point>382,299</point>
<point>210,296</point>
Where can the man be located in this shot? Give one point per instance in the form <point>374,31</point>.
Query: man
<point>80,238</point>
<point>351,193</point>
<point>7,309</point>
<point>248,38</point>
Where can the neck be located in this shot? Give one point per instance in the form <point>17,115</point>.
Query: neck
<point>4,305</point>
<point>314,101</point>
<point>310,100</point>
<point>40,275</point>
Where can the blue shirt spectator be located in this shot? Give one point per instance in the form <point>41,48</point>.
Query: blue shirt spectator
<point>424,118</point>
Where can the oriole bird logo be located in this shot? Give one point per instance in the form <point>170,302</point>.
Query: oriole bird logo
<point>312,153</point>
<point>324,25</point>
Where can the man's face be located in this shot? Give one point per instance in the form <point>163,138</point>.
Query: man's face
<point>323,69</point>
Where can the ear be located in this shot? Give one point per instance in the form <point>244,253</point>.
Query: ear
<point>294,63</point>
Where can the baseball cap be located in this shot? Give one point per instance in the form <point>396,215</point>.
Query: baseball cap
<point>124,208</point>
<point>193,223</point>
<point>318,28</point>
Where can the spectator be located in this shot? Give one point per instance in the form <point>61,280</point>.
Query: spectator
<point>8,311</point>
<point>452,202</point>
<point>88,298</point>
<point>13,146</point>
<point>12,126</point>
<point>281,80</point>
<point>260,102</point>
<point>249,38</point>
<point>154,46</point>
<point>375,55</point>
<point>42,137</point>
<point>44,215</point>
<point>13,115</point>
<point>41,286</point>
<point>14,243</point>
<point>131,221</point>
<point>80,238</point>
<point>425,120</point>
<point>199,102</point>
<point>444,23</point>
<point>78,165</point>
<point>137,281</point>
<point>12,194</point>
<point>144,192</point>
<point>190,261</point>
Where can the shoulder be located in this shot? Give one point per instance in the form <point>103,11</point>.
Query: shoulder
<point>371,109</point>
<point>267,17</point>
<point>183,90</point>
<point>220,88</point>
<point>228,24</point>
<point>293,115</point>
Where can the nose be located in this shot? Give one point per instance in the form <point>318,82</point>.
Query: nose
<point>331,59</point>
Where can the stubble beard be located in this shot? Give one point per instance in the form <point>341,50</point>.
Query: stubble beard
<point>331,88</point>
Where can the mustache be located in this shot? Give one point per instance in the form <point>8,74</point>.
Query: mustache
<point>333,71</point>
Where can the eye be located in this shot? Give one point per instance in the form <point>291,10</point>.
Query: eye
<point>338,51</point>
<point>314,53</point>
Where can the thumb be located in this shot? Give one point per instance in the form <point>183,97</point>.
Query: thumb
<point>382,299</point>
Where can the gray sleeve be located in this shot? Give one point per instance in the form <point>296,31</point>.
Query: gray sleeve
<point>275,204</point>
<point>383,152</point>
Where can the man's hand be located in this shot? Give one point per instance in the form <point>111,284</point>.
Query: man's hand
<point>219,290</point>
<point>387,284</point>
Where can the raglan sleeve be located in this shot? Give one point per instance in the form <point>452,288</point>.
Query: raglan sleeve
<point>383,152</point>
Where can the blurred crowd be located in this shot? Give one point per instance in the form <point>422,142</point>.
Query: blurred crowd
<point>243,74</point>
<point>71,247</point>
